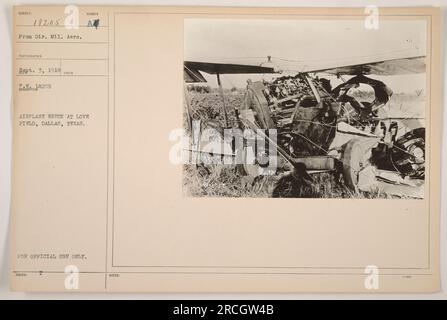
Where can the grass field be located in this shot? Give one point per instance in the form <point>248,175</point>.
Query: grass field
<point>226,181</point>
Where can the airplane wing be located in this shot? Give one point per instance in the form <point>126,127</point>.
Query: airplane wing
<point>384,68</point>
<point>384,65</point>
<point>193,69</point>
<point>192,75</point>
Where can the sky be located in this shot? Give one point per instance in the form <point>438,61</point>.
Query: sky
<point>304,45</point>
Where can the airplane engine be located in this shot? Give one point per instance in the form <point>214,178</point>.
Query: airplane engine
<point>274,102</point>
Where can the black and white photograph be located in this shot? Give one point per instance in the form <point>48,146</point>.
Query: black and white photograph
<point>305,108</point>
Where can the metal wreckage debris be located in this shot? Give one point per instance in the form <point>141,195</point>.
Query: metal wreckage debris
<point>323,129</point>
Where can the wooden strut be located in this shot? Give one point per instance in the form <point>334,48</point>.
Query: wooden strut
<point>188,106</point>
<point>224,108</point>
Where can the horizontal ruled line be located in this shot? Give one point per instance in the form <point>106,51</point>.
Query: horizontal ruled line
<point>59,26</point>
<point>65,59</point>
<point>223,272</point>
<point>61,42</point>
<point>62,75</point>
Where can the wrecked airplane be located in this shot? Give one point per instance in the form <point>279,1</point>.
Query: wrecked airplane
<point>329,129</point>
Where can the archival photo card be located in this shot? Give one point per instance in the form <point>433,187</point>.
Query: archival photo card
<point>212,149</point>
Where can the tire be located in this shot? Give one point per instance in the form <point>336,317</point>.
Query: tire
<point>247,169</point>
<point>352,162</point>
<point>255,100</point>
<point>408,154</point>
<point>262,113</point>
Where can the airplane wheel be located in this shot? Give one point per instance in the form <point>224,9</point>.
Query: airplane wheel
<point>262,113</point>
<point>352,162</point>
<point>246,169</point>
<point>251,170</point>
<point>408,155</point>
